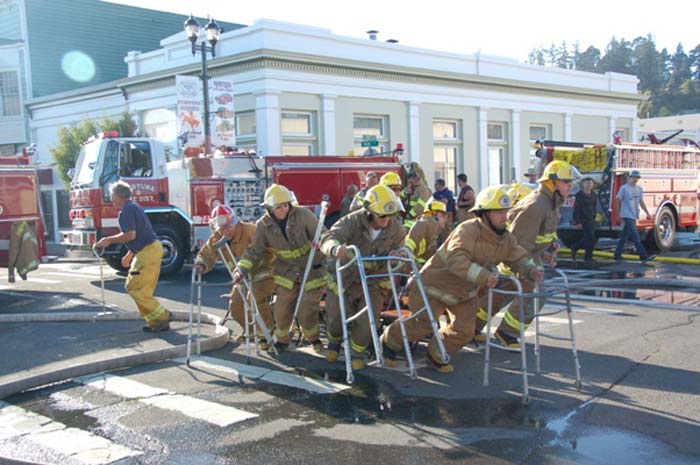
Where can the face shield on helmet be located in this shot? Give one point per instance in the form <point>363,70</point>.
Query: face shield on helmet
<point>381,201</point>
<point>222,216</point>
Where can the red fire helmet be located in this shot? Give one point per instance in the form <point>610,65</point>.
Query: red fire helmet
<point>221,216</point>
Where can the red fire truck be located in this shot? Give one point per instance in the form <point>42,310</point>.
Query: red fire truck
<point>20,200</point>
<point>179,195</point>
<point>669,177</point>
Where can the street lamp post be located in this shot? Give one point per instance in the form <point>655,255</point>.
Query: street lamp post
<point>213,32</point>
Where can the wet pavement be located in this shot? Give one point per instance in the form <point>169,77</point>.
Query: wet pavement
<point>639,403</point>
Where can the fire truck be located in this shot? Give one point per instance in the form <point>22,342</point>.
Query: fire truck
<point>669,177</point>
<point>20,200</point>
<point>178,195</point>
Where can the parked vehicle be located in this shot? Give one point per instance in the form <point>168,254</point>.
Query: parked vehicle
<point>20,200</point>
<point>179,195</point>
<point>668,177</point>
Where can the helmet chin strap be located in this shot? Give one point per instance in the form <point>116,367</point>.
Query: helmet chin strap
<point>499,231</point>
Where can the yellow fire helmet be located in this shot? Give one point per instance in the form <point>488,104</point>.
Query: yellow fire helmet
<point>492,198</point>
<point>517,191</point>
<point>557,170</point>
<point>381,201</point>
<point>390,179</point>
<point>434,207</point>
<point>277,194</point>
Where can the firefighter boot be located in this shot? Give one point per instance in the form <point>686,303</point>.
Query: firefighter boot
<point>357,361</point>
<point>333,351</point>
<point>317,345</point>
<point>479,336</point>
<point>506,341</point>
<point>438,366</point>
<point>389,356</point>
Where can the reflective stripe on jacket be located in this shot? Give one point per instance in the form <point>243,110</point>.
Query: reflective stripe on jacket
<point>208,255</point>
<point>534,221</point>
<point>462,264</point>
<point>291,253</point>
<point>354,229</point>
<point>416,201</point>
<point>422,238</point>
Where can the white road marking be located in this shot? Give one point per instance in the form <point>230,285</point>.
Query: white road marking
<point>211,412</point>
<point>85,447</point>
<point>72,275</point>
<point>317,386</point>
<point>42,280</point>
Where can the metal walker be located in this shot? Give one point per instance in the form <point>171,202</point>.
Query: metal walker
<point>536,296</point>
<point>251,312</point>
<point>393,271</point>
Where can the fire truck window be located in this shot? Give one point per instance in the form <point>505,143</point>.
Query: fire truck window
<point>110,171</point>
<point>136,160</point>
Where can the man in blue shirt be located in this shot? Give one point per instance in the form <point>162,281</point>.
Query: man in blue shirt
<point>143,258</point>
<point>629,198</point>
<point>445,195</point>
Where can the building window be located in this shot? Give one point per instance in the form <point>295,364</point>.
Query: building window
<point>298,133</point>
<point>246,130</point>
<point>160,124</point>
<point>540,132</point>
<point>9,94</point>
<point>498,162</point>
<point>376,126</point>
<point>447,147</point>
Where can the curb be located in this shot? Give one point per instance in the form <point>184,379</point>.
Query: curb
<point>220,338</point>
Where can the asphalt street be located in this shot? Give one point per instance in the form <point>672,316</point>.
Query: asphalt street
<point>639,402</point>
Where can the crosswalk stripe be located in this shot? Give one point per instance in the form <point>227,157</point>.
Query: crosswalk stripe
<point>211,412</point>
<point>77,444</point>
<point>43,280</point>
<point>317,386</point>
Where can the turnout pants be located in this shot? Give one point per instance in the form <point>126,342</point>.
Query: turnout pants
<point>262,290</point>
<point>458,332</point>
<point>309,309</point>
<point>360,335</point>
<point>142,281</point>
<point>511,319</point>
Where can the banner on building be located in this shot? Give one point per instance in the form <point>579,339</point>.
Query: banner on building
<point>222,116</point>
<point>190,125</point>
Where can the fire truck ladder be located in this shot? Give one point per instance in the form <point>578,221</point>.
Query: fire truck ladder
<point>394,265</point>
<point>539,293</point>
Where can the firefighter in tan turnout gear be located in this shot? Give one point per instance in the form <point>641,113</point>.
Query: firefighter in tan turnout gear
<point>422,239</point>
<point>462,267</point>
<point>288,231</point>
<point>239,235</point>
<point>375,230</point>
<point>415,197</point>
<point>533,221</point>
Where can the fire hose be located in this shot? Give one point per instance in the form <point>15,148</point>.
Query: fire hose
<point>680,260</point>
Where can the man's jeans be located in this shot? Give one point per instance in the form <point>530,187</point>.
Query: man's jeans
<point>629,232</point>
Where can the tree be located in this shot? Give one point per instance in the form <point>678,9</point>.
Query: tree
<point>680,69</point>
<point>617,58</point>
<point>71,138</point>
<point>647,64</point>
<point>588,60</point>
<point>694,56</point>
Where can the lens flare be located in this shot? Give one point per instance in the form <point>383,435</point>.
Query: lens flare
<point>78,66</point>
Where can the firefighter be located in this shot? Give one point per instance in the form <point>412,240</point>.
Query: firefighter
<point>239,235</point>
<point>375,230</point>
<point>422,239</point>
<point>393,182</point>
<point>414,197</point>
<point>453,277</point>
<point>533,221</point>
<point>371,180</point>
<point>288,231</point>
<point>23,252</point>
<point>143,258</point>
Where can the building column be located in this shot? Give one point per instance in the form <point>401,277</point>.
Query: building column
<point>483,148</point>
<point>267,120</point>
<point>328,144</point>
<point>414,131</point>
<point>567,127</point>
<point>515,143</point>
<point>634,137</point>
<point>613,128</point>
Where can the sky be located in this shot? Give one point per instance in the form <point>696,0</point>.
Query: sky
<point>507,28</point>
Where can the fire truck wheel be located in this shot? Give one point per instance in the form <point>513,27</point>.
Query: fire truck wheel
<point>664,229</point>
<point>173,250</point>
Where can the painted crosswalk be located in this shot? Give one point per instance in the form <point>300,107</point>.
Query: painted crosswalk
<point>211,412</point>
<point>17,423</point>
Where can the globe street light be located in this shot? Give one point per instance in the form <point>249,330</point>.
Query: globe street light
<point>213,33</point>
